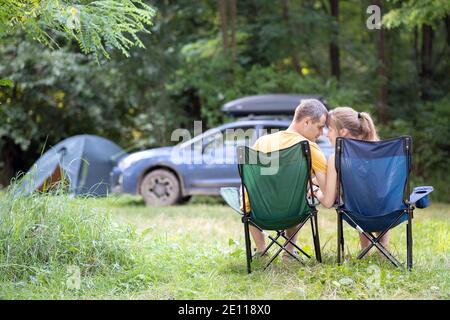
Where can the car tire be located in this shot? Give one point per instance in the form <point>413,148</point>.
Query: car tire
<point>160,188</point>
<point>184,200</point>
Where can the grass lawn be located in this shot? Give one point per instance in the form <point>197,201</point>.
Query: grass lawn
<point>196,251</point>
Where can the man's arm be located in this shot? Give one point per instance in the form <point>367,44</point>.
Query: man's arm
<point>319,166</point>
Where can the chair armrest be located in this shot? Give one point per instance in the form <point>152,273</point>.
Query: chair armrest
<point>231,197</point>
<point>419,196</point>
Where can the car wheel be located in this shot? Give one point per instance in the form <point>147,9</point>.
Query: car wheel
<point>160,188</point>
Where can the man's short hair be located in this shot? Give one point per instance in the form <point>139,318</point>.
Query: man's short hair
<point>310,108</point>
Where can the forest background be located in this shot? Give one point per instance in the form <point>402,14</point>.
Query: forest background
<point>200,54</point>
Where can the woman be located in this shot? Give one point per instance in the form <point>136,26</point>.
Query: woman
<point>348,123</point>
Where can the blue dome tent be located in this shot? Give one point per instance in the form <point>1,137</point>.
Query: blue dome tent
<point>85,161</point>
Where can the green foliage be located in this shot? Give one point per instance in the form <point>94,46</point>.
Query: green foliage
<point>187,75</point>
<point>60,93</point>
<point>6,83</point>
<point>95,25</point>
<point>217,80</point>
<point>431,145</point>
<point>46,233</point>
<point>55,94</point>
<point>198,252</point>
<point>416,12</point>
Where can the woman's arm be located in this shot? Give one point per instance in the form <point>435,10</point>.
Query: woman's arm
<point>327,195</point>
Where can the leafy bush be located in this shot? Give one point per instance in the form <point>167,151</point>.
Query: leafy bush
<point>217,81</point>
<point>95,25</point>
<point>431,145</point>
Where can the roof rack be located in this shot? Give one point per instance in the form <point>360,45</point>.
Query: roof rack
<point>267,104</point>
<point>265,117</point>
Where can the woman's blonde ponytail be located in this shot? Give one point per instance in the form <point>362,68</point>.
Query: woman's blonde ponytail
<point>368,130</point>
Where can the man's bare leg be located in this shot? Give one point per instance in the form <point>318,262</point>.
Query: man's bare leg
<point>258,238</point>
<point>289,233</point>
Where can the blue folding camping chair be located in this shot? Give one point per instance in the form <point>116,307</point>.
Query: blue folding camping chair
<point>373,191</point>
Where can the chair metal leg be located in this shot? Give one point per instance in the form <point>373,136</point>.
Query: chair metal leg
<point>388,255</point>
<point>409,241</point>
<point>288,240</point>
<point>374,241</point>
<point>340,238</point>
<point>296,247</point>
<point>273,241</point>
<point>248,247</point>
<point>282,247</point>
<point>364,251</point>
<point>315,232</point>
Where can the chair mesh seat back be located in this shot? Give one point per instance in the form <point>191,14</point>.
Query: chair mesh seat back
<point>373,176</point>
<point>276,183</point>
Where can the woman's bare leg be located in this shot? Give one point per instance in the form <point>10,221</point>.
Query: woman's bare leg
<point>384,240</point>
<point>363,241</point>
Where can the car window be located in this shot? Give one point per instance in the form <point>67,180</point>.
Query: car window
<point>270,129</point>
<point>227,140</point>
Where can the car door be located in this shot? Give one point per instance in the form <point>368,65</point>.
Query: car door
<point>218,167</point>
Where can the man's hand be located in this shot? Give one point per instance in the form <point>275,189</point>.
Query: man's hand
<point>321,180</point>
<point>315,191</point>
<point>318,194</point>
<point>315,188</point>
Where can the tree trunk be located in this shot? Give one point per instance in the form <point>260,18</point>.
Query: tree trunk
<point>223,23</point>
<point>427,50</point>
<point>447,28</point>
<point>334,48</point>
<point>233,29</point>
<point>382,74</point>
<point>416,47</point>
<point>426,72</point>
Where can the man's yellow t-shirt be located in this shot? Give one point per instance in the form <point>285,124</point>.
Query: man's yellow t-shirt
<point>285,139</point>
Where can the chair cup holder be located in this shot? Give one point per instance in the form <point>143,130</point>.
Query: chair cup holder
<point>423,203</point>
<point>419,196</point>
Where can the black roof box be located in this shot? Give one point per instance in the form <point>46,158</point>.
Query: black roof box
<point>266,104</point>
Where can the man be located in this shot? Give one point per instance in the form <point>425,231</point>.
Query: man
<point>308,123</point>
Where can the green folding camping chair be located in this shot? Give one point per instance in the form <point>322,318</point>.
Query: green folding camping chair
<point>277,185</point>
